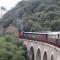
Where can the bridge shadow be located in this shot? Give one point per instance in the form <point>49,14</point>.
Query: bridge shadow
<point>52,58</point>
<point>38,56</point>
<point>45,56</point>
<point>31,54</point>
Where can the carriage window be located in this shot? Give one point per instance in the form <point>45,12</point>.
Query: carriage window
<point>34,36</point>
<point>50,36</point>
<point>25,35</point>
<point>53,36</point>
<point>56,36</point>
<point>59,36</point>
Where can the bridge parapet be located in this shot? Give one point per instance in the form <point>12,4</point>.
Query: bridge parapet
<point>47,51</point>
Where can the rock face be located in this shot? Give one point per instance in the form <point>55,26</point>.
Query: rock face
<point>11,30</point>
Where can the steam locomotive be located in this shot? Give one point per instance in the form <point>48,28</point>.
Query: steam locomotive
<point>46,37</point>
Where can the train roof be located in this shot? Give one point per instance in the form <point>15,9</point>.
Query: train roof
<point>35,32</point>
<point>53,32</point>
<point>50,33</point>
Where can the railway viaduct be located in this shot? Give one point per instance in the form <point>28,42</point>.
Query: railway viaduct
<point>41,51</point>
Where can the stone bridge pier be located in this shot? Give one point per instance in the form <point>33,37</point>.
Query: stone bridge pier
<point>41,51</point>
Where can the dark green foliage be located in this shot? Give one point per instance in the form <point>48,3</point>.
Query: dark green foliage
<point>27,25</point>
<point>42,13</point>
<point>56,25</point>
<point>11,50</point>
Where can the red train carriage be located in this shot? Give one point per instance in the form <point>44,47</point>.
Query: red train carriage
<point>42,37</point>
<point>28,35</point>
<point>35,36</point>
<point>21,34</point>
<point>48,37</point>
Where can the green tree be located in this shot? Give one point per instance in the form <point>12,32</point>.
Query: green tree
<point>55,26</point>
<point>11,50</point>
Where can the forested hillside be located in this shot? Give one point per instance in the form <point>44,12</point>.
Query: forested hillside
<point>34,15</point>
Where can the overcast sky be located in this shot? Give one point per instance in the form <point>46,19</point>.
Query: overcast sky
<point>8,4</point>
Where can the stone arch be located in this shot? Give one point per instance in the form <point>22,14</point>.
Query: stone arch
<point>38,55</point>
<point>31,54</point>
<point>52,58</point>
<point>45,56</point>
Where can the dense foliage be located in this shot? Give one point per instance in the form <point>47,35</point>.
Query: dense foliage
<point>12,49</point>
<point>34,15</point>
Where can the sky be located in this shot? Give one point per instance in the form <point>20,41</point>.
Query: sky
<point>8,4</point>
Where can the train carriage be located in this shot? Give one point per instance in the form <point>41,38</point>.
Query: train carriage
<point>58,40</point>
<point>34,36</point>
<point>46,37</point>
<point>25,35</point>
<point>53,38</point>
<point>21,34</point>
<point>28,35</point>
<point>42,37</point>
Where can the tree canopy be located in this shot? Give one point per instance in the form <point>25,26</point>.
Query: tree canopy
<point>44,12</point>
<point>12,49</point>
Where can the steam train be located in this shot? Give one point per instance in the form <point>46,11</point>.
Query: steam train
<point>46,37</point>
